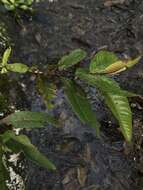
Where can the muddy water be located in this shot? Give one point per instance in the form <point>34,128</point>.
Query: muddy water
<point>83,161</point>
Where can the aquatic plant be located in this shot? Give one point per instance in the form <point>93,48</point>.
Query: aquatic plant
<point>101,66</point>
<point>12,5</point>
<point>97,74</point>
<point>10,142</point>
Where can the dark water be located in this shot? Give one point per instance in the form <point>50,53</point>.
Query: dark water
<point>54,29</point>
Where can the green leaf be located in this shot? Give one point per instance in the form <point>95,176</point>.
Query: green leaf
<point>3,172</point>
<point>30,151</point>
<point>95,80</point>
<point>120,108</point>
<point>17,67</point>
<point>80,104</point>
<point>130,94</point>
<point>72,59</point>
<point>115,98</point>
<point>4,70</point>
<point>27,119</point>
<point>11,5</point>
<point>108,63</point>
<point>47,91</point>
<point>6,56</point>
<point>102,60</point>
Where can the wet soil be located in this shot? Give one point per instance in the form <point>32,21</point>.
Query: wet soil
<point>83,161</point>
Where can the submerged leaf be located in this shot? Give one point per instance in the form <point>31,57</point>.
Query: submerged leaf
<point>82,175</point>
<point>102,60</point>
<point>115,98</point>
<point>72,59</point>
<point>80,104</point>
<point>47,91</point>
<point>17,67</point>
<point>27,119</point>
<point>23,144</point>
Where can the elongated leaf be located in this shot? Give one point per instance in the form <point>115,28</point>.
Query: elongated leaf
<point>115,99</point>
<point>80,104</point>
<point>27,119</point>
<point>102,60</point>
<point>95,80</point>
<point>47,91</point>
<point>17,67</point>
<point>120,108</point>
<point>6,56</point>
<point>28,149</point>
<point>72,59</point>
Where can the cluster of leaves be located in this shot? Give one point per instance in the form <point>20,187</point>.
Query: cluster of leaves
<point>102,65</point>
<point>12,5</point>
<point>15,67</point>
<point>97,74</point>
<point>12,143</point>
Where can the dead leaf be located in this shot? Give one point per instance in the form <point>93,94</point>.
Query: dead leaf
<point>82,175</point>
<point>69,176</point>
<point>113,2</point>
<point>87,153</point>
<point>93,187</point>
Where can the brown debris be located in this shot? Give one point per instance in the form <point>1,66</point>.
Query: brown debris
<point>82,175</point>
<point>109,3</point>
